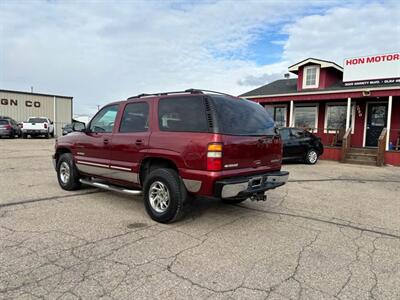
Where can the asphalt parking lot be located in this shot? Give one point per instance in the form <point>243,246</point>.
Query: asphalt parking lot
<point>333,232</point>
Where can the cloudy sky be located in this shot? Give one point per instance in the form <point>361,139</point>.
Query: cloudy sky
<point>99,51</point>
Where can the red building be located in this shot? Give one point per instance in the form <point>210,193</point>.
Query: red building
<point>355,110</point>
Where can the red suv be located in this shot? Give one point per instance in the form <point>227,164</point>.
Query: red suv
<point>171,146</point>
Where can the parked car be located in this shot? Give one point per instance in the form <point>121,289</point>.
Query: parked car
<point>37,126</point>
<point>173,146</point>
<point>9,128</point>
<point>67,129</point>
<point>300,144</point>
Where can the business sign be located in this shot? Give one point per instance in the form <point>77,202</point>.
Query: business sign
<point>15,102</point>
<point>373,69</point>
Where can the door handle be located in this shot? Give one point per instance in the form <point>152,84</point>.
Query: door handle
<point>139,142</point>
<point>105,141</point>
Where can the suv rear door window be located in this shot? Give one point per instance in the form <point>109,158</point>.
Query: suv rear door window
<point>242,117</point>
<point>104,120</point>
<point>135,118</point>
<point>182,114</point>
<point>298,133</point>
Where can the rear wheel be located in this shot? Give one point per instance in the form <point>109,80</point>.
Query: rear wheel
<point>311,157</point>
<point>24,136</point>
<point>165,195</point>
<point>67,173</point>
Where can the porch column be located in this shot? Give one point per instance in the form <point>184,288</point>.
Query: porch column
<point>291,114</point>
<point>389,121</point>
<point>348,113</point>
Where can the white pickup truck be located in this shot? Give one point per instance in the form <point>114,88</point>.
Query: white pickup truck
<point>36,126</point>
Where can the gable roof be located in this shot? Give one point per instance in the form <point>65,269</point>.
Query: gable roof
<point>281,86</point>
<point>289,86</point>
<point>323,63</point>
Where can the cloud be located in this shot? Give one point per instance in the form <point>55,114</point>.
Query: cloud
<point>354,30</point>
<point>102,51</point>
<point>251,80</point>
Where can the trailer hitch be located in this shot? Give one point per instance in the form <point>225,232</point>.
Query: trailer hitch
<point>258,197</point>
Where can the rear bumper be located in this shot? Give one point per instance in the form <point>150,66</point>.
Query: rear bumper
<point>249,185</point>
<point>5,132</point>
<point>35,131</point>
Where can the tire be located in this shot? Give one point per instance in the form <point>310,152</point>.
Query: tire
<point>24,136</point>
<point>52,134</point>
<point>47,135</point>
<point>233,200</point>
<point>311,157</point>
<point>67,173</point>
<point>165,184</point>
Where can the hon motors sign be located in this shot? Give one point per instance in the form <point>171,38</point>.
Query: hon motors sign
<point>373,69</point>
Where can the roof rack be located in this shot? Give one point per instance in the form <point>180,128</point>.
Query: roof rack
<point>188,91</point>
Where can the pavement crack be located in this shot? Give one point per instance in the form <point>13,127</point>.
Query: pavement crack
<point>320,220</point>
<point>22,202</point>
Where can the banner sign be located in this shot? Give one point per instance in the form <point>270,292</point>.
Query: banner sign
<point>373,69</point>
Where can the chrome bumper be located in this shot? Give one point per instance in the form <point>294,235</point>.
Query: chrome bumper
<point>248,186</point>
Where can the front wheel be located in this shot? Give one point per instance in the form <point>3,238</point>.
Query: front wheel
<point>311,157</point>
<point>67,173</point>
<point>165,195</point>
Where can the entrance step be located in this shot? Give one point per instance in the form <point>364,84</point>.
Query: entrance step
<point>109,187</point>
<point>362,151</point>
<point>360,162</point>
<point>362,156</point>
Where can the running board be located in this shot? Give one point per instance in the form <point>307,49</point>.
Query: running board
<point>111,187</point>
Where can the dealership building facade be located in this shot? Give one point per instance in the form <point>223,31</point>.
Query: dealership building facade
<point>22,105</point>
<point>354,109</point>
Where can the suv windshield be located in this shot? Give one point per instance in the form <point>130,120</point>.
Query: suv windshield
<point>37,120</point>
<point>242,117</point>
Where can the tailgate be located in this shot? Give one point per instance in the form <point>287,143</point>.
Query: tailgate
<point>33,126</point>
<point>251,151</point>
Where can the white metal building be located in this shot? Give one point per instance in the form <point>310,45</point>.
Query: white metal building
<point>22,105</point>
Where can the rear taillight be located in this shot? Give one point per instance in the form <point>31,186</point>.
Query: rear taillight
<point>214,157</point>
<point>45,125</point>
<point>8,126</point>
<point>22,125</point>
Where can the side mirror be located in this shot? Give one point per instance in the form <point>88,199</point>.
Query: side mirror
<point>51,122</point>
<point>79,126</point>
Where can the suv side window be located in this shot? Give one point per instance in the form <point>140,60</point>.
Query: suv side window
<point>182,114</point>
<point>285,133</point>
<point>104,120</point>
<point>135,118</point>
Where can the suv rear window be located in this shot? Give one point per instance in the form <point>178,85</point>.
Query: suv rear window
<point>4,122</point>
<point>182,114</point>
<point>242,117</point>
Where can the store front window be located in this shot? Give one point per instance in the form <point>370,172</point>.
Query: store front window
<point>278,113</point>
<point>306,117</point>
<point>336,117</point>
